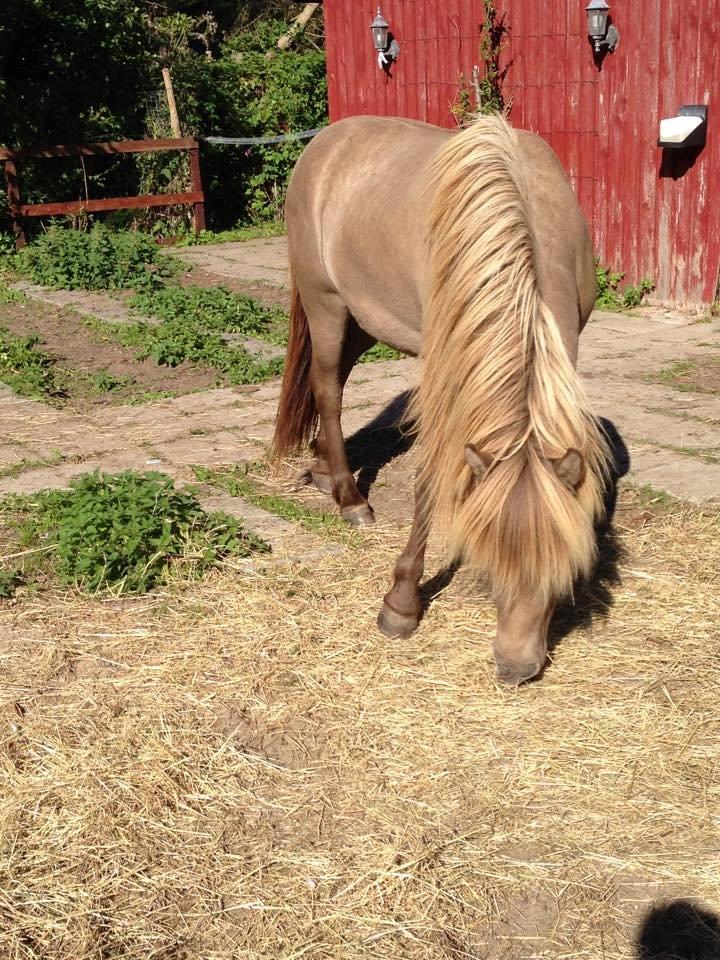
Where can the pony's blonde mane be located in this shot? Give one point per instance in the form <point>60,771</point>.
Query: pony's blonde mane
<point>497,375</point>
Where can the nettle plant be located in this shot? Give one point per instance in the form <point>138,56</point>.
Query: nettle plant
<point>481,93</point>
<point>611,297</point>
<point>194,321</point>
<point>125,532</point>
<point>97,259</point>
<point>24,366</point>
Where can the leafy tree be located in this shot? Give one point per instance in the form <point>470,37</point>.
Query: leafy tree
<point>90,70</point>
<point>244,93</point>
<point>72,70</point>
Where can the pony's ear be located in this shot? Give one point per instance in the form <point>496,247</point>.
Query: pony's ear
<point>570,469</point>
<point>478,461</point>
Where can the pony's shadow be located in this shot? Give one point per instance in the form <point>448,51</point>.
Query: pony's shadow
<point>379,442</point>
<point>679,930</point>
<point>593,597</point>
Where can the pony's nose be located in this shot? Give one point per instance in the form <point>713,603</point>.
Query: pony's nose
<point>514,674</point>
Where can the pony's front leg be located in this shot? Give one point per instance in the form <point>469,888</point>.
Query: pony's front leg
<point>402,606</point>
<point>521,643</point>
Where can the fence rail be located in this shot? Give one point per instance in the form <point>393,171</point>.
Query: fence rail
<point>18,210</point>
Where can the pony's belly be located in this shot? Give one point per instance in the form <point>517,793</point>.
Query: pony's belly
<point>398,326</point>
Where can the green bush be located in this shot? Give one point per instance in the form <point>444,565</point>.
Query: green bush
<point>609,295</point>
<point>90,70</point>
<point>244,93</point>
<point>69,72</point>
<point>125,531</point>
<point>216,308</point>
<point>98,259</point>
<point>23,367</point>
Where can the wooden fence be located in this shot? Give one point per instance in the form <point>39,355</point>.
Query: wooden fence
<point>19,211</point>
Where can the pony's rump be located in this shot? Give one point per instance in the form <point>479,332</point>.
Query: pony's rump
<point>497,375</point>
<point>297,413</point>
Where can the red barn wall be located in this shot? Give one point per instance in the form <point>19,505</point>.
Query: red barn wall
<point>650,215</point>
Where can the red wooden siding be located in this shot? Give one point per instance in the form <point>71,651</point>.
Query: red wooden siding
<point>438,40</point>
<point>650,218</point>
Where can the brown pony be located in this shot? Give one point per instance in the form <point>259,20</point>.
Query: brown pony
<point>468,248</point>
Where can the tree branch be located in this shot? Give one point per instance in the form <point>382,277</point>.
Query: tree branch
<point>297,27</point>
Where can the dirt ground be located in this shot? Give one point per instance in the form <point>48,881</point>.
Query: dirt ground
<point>245,768</point>
<point>269,293</point>
<point>80,349</point>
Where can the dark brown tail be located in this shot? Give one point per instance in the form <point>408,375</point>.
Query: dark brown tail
<point>297,415</point>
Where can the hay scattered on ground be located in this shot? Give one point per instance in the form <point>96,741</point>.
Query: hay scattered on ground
<point>246,768</point>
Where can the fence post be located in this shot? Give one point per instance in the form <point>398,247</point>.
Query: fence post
<point>196,181</point>
<point>172,106</point>
<point>13,193</point>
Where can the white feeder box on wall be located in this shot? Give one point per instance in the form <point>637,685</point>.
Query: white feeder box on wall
<point>687,129</point>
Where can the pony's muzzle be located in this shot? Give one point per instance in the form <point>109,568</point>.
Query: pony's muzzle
<point>513,674</point>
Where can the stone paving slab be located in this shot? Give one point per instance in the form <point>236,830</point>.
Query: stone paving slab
<point>263,260</point>
<point>684,477</point>
<point>98,305</point>
<point>286,539</point>
<point>235,424</point>
<point>657,427</point>
<point>11,455</point>
<point>58,476</point>
<point>209,451</point>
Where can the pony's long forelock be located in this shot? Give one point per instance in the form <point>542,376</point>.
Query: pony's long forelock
<point>496,374</point>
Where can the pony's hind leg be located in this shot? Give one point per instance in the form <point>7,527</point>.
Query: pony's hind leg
<point>337,342</point>
<point>355,343</point>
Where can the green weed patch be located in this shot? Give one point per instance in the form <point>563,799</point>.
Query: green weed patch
<point>25,368</point>
<point>97,259</point>
<point>122,532</point>
<point>611,297</point>
<point>218,309</point>
<point>380,351</point>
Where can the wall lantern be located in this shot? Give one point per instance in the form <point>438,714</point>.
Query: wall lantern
<point>601,34</point>
<point>380,29</point>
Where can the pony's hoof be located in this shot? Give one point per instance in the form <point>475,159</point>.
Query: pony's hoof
<point>302,479</point>
<point>322,482</point>
<point>393,624</point>
<point>513,674</point>
<point>358,516</point>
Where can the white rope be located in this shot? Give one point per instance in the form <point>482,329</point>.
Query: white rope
<point>282,138</point>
